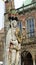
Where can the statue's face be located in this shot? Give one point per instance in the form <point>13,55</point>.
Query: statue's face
<point>14,23</point>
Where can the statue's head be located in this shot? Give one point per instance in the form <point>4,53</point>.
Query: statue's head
<point>14,23</point>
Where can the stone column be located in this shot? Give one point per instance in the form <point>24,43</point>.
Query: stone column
<point>33,59</point>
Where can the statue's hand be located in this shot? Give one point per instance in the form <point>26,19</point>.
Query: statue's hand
<point>19,39</point>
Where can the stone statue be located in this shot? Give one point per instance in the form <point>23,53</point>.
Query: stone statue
<point>13,45</point>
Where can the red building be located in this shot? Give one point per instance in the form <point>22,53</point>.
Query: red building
<point>27,16</point>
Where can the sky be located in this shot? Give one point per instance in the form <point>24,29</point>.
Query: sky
<point>1,14</point>
<point>18,3</point>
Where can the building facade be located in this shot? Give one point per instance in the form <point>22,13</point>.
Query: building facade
<point>1,46</point>
<point>27,17</point>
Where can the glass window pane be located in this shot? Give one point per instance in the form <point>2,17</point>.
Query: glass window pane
<point>30,27</point>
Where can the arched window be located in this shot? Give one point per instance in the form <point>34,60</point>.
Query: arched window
<point>30,27</point>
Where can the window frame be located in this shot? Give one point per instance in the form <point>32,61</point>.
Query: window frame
<point>31,27</point>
